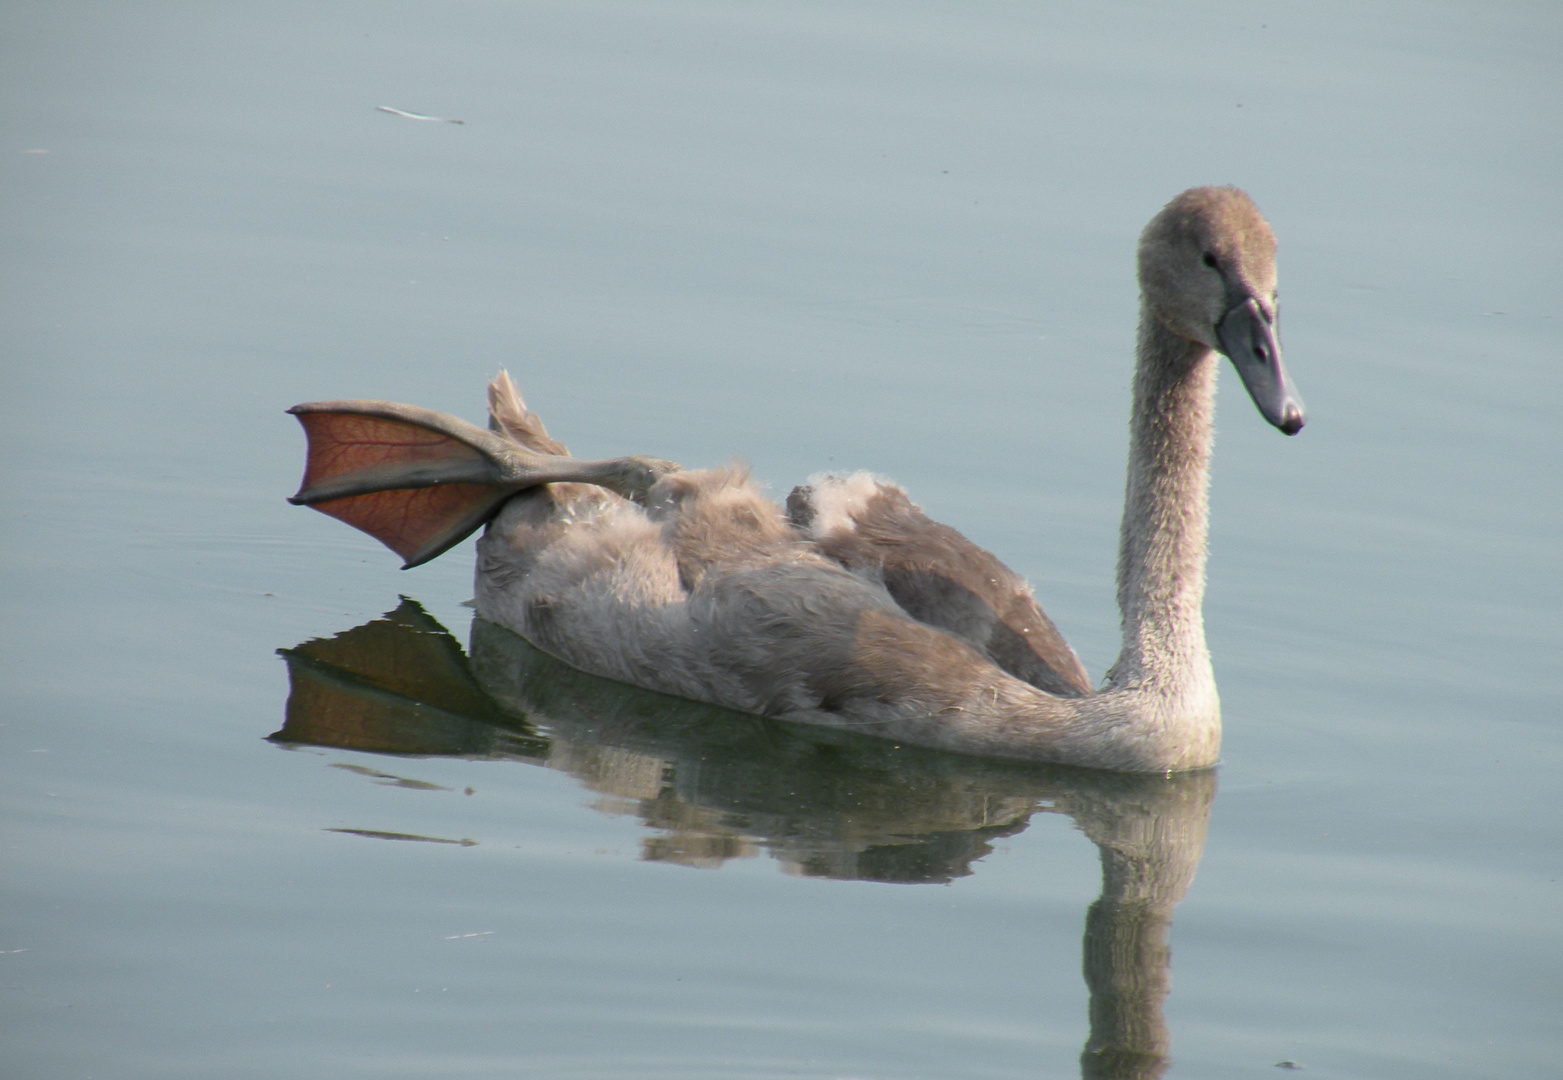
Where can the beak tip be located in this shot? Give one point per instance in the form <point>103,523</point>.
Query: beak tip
<point>1292,420</point>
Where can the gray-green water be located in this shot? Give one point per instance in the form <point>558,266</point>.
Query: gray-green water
<point>897,237</point>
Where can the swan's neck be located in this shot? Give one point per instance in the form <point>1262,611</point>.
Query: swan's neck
<point>1161,553</point>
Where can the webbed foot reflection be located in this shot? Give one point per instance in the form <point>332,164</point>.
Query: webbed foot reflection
<point>716,785</point>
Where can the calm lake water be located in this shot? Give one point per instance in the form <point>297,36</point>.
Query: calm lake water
<point>817,236</point>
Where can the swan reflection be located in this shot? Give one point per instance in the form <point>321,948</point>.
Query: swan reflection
<point>715,785</point>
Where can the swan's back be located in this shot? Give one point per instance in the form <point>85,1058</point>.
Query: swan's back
<point>709,590</point>
<point>852,611</point>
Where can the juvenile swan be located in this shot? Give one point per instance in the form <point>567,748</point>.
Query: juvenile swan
<point>849,607</point>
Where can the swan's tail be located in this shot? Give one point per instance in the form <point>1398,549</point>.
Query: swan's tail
<point>508,415</point>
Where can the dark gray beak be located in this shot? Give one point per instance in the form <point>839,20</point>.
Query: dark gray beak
<point>1249,339</point>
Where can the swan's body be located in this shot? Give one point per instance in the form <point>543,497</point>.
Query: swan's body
<point>849,607</point>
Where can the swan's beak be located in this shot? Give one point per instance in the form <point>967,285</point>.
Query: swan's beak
<point>1249,338</point>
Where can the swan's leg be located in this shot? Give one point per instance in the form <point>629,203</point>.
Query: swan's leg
<point>937,576</point>
<point>421,481</point>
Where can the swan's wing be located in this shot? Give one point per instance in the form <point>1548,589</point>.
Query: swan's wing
<point>937,576</point>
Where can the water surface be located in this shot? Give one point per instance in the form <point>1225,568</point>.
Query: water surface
<point>879,236</point>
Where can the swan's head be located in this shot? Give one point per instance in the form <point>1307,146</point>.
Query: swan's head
<point>1207,272</point>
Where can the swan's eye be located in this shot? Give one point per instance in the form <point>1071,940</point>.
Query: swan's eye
<point>1210,261</point>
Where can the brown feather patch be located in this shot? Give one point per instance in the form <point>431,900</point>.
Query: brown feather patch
<point>942,579</point>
